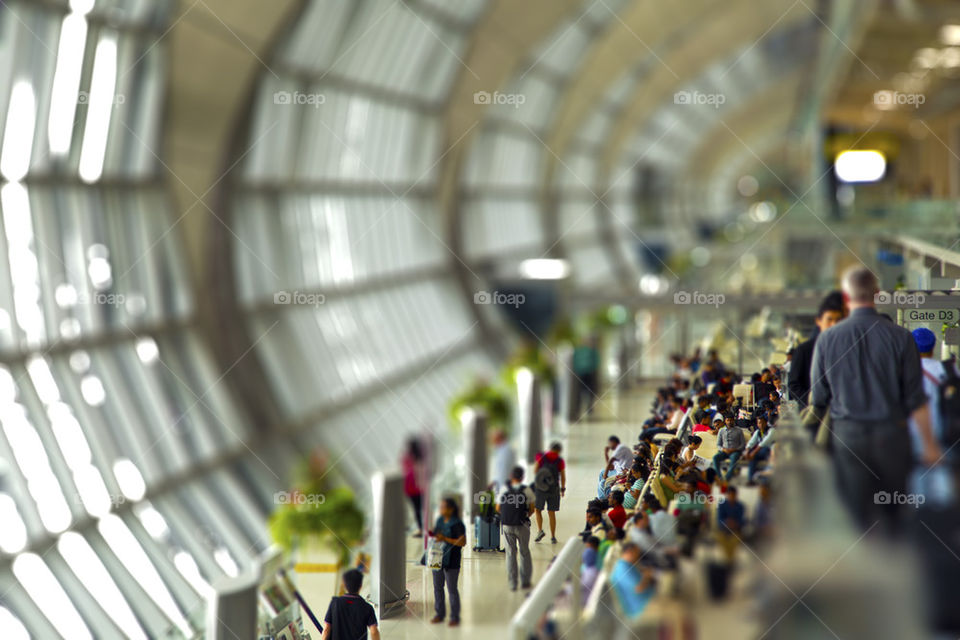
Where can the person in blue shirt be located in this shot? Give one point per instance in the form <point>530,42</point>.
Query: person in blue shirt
<point>449,530</point>
<point>632,583</point>
<point>731,518</point>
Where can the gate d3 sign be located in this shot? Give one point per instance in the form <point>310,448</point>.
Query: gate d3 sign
<point>949,316</point>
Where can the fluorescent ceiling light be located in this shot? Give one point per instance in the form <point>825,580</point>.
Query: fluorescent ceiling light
<point>544,269</point>
<point>950,34</point>
<point>66,83</point>
<point>99,108</point>
<point>18,133</point>
<point>860,166</point>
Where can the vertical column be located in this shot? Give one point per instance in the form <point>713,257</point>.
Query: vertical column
<point>388,571</point>
<point>531,414</point>
<point>475,455</point>
<point>232,609</point>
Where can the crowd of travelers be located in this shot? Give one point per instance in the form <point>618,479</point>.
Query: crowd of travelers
<point>872,394</point>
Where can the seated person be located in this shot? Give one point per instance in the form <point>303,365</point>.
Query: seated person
<point>613,536</point>
<point>632,583</point>
<point>589,571</point>
<point>617,455</point>
<point>668,469</point>
<point>689,458</point>
<point>639,472</point>
<point>771,404</point>
<point>663,528</point>
<point>704,413</point>
<point>617,514</point>
<point>759,446</point>
<point>595,524</point>
<point>730,445</point>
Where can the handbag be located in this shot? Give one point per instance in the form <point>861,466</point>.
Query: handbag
<point>434,554</point>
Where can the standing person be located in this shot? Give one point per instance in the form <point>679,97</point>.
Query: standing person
<point>867,371</point>
<point>350,617</point>
<point>413,472</point>
<point>450,531</point>
<point>504,459</point>
<point>829,314</point>
<point>549,484</point>
<point>934,373</point>
<point>586,364</point>
<point>731,518</point>
<point>515,506</point>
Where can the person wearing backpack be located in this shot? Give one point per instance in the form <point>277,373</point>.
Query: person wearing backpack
<point>549,483</point>
<point>515,506</point>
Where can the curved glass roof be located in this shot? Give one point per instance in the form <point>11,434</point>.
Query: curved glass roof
<point>380,179</point>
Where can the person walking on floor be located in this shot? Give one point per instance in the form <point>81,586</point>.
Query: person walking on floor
<point>515,506</point>
<point>413,472</point>
<point>449,530</point>
<point>350,617</point>
<point>549,484</point>
<point>867,371</point>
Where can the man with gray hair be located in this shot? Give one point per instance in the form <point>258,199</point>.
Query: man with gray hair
<point>867,370</point>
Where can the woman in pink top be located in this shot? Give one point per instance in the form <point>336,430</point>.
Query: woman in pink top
<point>412,463</point>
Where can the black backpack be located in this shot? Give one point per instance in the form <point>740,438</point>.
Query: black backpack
<point>547,479</point>
<point>514,509</point>
<point>950,405</point>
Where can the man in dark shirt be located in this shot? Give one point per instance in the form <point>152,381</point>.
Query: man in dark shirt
<point>867,371</point>
<point>829,314</point>
<point>350,617</point>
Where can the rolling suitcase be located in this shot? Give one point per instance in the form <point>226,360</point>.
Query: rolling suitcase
<point>487,534</point>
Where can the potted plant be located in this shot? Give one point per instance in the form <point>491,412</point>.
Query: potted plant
<point>314,509</point>
<point>484,397</point>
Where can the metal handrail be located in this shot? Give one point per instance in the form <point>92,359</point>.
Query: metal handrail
<point>565,566</point>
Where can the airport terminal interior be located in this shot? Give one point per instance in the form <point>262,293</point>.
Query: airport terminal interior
<point>523,319</point>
